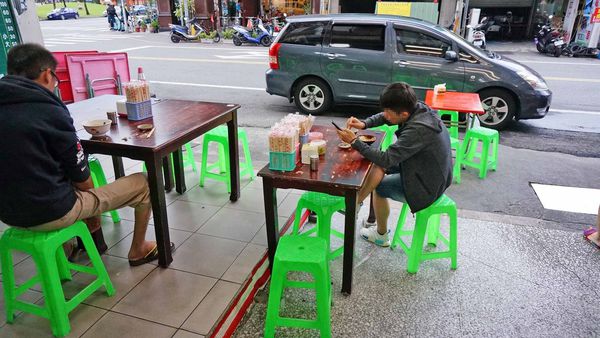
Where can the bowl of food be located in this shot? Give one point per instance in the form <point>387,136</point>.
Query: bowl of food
<point>368,139</point>
<point>97,127</point>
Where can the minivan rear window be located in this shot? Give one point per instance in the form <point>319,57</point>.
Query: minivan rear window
<point>370,37</point>
<point>304,33</point>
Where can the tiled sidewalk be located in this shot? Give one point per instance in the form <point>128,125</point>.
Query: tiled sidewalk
<point>218,243</point>
<point>519,279</point>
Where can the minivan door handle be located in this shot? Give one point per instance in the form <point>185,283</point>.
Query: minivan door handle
<point>401,63</point>
<point>332,56</point>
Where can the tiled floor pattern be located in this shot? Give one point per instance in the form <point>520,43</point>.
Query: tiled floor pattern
<point>218,243</point>
<point>512,280</point>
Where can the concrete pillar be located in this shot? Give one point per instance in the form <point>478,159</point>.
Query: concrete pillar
<point>447,10</point>
<point>334,6</point>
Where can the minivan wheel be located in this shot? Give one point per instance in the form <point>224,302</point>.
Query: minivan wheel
<point>312,96</point>
<point>499,108</point>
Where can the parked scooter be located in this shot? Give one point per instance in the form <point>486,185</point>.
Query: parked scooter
<point>549,41</point>
<point>179,33</point>
<point>479,33</point>
<point>259,35</point>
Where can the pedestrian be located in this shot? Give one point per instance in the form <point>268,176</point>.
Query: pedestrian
<point>416,169</point>
<point>45,181</point>
<point>111,13</point>
<point>593,234</point>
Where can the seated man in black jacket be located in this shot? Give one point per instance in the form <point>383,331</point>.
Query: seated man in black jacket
<point>416,169</point>
<point>45,181</point>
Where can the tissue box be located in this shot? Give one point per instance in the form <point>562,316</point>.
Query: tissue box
<point>122,108</point>
<point>308,150</point>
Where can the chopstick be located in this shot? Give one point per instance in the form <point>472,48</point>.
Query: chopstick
<point>150,132</point>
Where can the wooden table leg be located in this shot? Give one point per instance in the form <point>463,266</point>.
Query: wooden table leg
<point>179,172</point>
<point>167,171</point>
<point>118,166</point>
<point>159,210</point>
<point>272,226</point>
<point>234,158</point>
<point>349,232</point>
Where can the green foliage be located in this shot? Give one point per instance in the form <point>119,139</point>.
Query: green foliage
<point>154,24</point>
<point>191,9</point>
<point>96,10</point>
<point>228,33</point>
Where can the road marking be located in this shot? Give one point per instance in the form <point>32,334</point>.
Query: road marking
<point>571,199</point>
<point>560,63</point>
<point>196,60</point>
<point>62,43</point>
<point>69,40</point>
<point>568,111</point>
<point>207,85</point>
<point>239,49</point>
<point>128,49</point>
<point>244,55</point>
<point>574,79</point>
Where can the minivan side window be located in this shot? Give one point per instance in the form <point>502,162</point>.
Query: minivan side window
<point>371,37</point>
<point>304,33</point>
<point>417,43</point>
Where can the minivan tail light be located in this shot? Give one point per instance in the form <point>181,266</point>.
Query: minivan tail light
<point>274,56</point>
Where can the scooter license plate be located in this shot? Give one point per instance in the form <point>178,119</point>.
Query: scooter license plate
<point>559,43</point>
<point>478,43</point>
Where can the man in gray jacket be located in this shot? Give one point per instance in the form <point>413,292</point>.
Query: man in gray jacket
<point>416,169</point>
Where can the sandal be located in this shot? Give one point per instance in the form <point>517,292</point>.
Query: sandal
<point>588,233</point>
<point>152,255</point>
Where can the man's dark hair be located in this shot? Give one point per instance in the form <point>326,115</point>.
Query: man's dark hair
<point>399,97</point>
<point>29,60</point>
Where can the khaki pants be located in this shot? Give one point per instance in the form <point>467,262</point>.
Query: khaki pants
<point>130,191</point>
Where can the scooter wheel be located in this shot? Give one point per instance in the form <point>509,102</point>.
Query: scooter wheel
<point>557,52</point>
<point>266,41</point>
<point>539,48</point>
<point>175,39</point>
<point>217,38</point>
<point>237,41</point>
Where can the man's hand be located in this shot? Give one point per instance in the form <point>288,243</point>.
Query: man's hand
<point>347,135</point>
<point>353,122</point>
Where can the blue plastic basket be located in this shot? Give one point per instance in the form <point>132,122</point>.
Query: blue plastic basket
<point>139,111</point>
<point>282,161</point>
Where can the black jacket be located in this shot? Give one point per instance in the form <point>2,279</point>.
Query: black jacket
<point>40,154</point>
<point>423,153</point>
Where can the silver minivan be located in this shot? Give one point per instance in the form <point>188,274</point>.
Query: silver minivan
<point>321,60</point>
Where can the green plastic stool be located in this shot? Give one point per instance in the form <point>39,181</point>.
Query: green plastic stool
<point>307,254</point>
<point>483,160</point>
<point>99,180</point>
<point>324,206</point>
<point>188,159</point>
<point>428,220</point>
<point>454,140</point>
<point>220,136</point>
<point>389,135</point>
<point>53,267</point>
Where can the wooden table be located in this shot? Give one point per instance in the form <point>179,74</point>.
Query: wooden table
<point>466,103</point>
<point>342,172</point>
<point>176,122</point>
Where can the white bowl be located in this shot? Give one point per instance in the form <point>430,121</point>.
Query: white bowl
<point>97,127</point>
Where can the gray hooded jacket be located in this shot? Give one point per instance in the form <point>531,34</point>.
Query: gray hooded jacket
<point>422,152</point>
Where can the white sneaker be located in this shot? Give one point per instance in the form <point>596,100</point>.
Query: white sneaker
<point>370,234</point>
<point>366,224</point>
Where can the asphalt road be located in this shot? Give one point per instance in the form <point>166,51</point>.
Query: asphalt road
<point>563,148</point>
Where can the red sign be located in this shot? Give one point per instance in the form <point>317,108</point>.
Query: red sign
<point>596,16</point>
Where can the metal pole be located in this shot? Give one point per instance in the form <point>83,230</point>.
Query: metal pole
<point>184,13</point>
<point>464,17</point>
